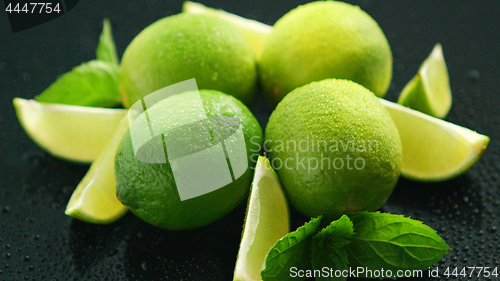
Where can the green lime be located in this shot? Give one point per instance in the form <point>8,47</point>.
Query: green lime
<point>94,199</point>
<point>184,46</point>
<point>68,131</point>
<point>154,188</point>
<point>434,150</point>
<point>325,39</point>
<point>335,148</point>
<point>255,32</point>
<point>429,91</point>
<point>266,222</point>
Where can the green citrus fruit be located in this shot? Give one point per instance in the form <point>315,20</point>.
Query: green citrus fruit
<point>151,190</point>
<point>94,199</point>
<point>68,131</point>
<point>429,91</point>
<point>335,148</point>
<point>434,150</point>
<point>254,31</point>
<point>184,46</point>
<point>267,220</point>
<point>325,39</point>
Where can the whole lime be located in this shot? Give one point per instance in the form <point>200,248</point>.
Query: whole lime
<point>335,148</point>
<point>325,39</point>
<point>185,46</point>
<point>154,190</point>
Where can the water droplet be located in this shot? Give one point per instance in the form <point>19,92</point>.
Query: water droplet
<point>492,229</point>
<point>226,110</point>
<point>27,77</point>
<point>6,209</point>
<point>56,206</point>
<point>473,75</point>
<point>215,76</point>
<point>143,265</point>
<point>111,253</point>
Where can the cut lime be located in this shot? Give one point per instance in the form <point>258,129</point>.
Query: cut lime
<point>266,222</point>
<point>254,31</point>
<point>71,132</point>
<point>429,91</point>
<point>433,149</point>
<point>94,199</point>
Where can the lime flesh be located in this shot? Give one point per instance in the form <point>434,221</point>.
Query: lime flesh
<point>76,133</point>
<point>429,91</point>
<point>94,199</point>
<point>433,149</point>
<point>266,222</point>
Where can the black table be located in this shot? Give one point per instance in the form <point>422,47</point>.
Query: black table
<point>39,242</point>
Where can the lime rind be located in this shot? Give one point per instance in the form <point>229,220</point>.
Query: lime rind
<point>70,132</point>
<point>429,91</point>
<point>94,199</point>
<point>434,150</point>
<point>266,221</point>
<point>254,31</point>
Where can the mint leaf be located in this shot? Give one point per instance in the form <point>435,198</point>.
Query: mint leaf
<point>337,234</point>
<point>291,251</point>
<point>393,242</point>
<point>106,50</point>
<point>94,83</point>
<point>328,251</point>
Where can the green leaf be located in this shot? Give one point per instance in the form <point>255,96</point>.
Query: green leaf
<point>293,250</point>
<point>393,242</point>
<point>328,251</point>
<point>106,50</point>
<point>94,83</point>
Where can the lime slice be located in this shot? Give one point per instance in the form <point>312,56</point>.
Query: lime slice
<point>254,31</point>
<point>94,199</point>
<point>429,91</point>
<point>266,222</point>
<point>433,149</point>
<point>71,132</point>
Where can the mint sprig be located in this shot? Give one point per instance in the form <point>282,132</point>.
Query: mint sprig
<point>293,250</point>
<point>106,49</point>
<point>371,240</point>
<point>393,242</point>
<point>94,83</point>
<point>328,249</point>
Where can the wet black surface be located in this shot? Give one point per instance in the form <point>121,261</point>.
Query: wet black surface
<point>38,242</point>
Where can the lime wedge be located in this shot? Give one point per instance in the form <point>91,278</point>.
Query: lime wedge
<point>266,222</point>
<point>429,91</point>
<point>254,31</point>
<point>94,199</point>
<point>76,133</point>
<point>433,149</point>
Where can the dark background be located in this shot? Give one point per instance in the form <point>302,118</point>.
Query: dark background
<point>39,242</point>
